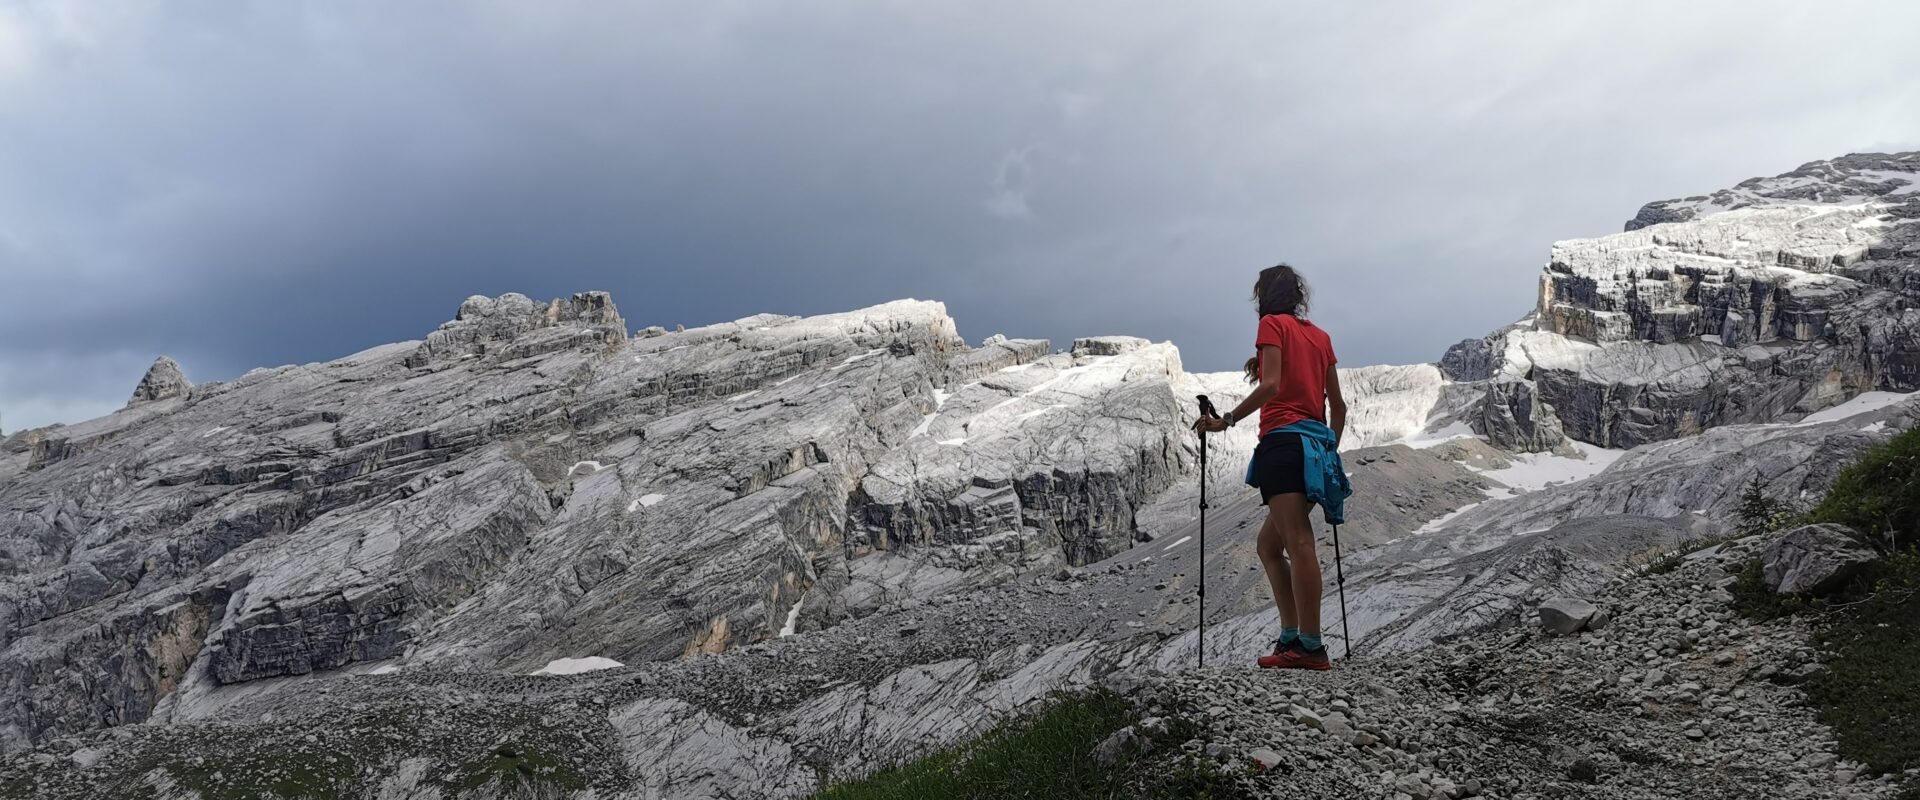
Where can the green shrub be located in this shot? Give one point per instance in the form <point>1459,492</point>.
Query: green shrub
<point>1752,598</point>
<point>1879,495</point>
<point>1870,691</point>
<point>1760,513</point>
<point>1046,755</point>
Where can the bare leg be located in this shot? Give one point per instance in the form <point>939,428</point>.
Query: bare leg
<point>1271,547</point>
<point>1296,532</point>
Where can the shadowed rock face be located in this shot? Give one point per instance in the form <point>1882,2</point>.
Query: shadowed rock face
<point>1785,295</point>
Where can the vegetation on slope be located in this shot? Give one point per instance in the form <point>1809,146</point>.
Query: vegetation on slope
<point>1869,633</point>
<point>1048,755</point>
<point>1879,495</point>
<point>1869,692</point>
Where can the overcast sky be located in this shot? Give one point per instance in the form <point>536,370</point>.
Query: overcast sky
<point>253,184</point>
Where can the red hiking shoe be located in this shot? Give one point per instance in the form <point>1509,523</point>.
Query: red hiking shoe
<point>1278,657</point>
<point>1297,657</point>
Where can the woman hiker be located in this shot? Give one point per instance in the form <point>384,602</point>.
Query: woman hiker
<point>1296,464</point>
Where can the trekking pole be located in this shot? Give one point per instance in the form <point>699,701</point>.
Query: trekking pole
<point>1206,410</point>
<point>1340,580</point>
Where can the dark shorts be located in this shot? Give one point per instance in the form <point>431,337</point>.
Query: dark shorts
<point>1279,466</point>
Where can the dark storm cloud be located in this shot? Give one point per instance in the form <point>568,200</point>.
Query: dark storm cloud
<point>247,185</point>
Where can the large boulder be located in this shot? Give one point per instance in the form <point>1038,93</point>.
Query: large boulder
<point>1564,615</point>
<point>1814,559</point>
<point>164,380</point>
<point>1107,345</point>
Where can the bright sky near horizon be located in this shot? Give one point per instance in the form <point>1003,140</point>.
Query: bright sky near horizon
<point>259,183</point>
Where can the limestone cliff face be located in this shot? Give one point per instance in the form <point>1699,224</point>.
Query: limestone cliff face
<point>529,483</point>
<point>1782,296</point>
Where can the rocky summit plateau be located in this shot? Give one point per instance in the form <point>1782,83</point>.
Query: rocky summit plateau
<point>537,554</point>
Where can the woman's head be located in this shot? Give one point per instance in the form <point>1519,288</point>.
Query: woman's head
<point>1280,290</point>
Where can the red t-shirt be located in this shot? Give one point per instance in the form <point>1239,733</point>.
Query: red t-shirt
<point>1305,355</point>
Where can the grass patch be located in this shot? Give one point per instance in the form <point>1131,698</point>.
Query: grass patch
<point>1752,598</point>
<point>1046,755</point>
<point>511,766</point>
<point>21,787</point>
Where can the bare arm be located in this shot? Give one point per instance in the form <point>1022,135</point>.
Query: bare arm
<point>1336,404</point>
<point>1268,387</point>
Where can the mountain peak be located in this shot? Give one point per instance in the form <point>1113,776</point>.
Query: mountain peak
<point>164,380</point>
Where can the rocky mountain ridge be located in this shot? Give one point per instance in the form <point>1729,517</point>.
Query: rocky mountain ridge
<point>779,718</point>
<point>1781,297</point>
<point>832,542</point>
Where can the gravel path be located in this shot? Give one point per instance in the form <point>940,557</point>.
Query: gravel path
<point>1676,697</point>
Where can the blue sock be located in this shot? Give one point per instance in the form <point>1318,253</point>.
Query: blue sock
<point>1289,635</point>
<point>1310,641</point>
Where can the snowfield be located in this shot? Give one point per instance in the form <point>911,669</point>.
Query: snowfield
<point>575,666</point>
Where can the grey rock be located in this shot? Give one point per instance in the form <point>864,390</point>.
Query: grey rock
<point>24,441</point>
<point>1413,786</point>
<point>1512,416</point>
<point>513,326</point>
<point>1263,758</point>
<point>163,381</point>
<point>1565,615</point>
<point>1814,559</point>
<point>1117,746</point>
<point>1108,345</point>
<point>673,747</point>
<point>1476,359</point>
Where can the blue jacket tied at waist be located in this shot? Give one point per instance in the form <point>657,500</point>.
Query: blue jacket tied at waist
<point>1326,478</point>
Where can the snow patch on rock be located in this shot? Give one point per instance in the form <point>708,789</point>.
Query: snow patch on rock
<point>1860,404</point>
<point>1533,471</point>
<point>792,625</point>
<point>575,666</point>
